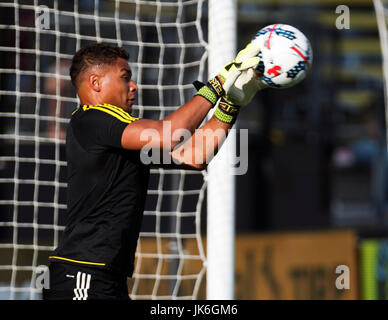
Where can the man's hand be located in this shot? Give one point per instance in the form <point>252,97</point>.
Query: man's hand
<point>223,84</point>
<point>242,85</point>
<point>244,88</point>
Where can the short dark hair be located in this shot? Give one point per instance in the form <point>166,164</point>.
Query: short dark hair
<point>94,54</point>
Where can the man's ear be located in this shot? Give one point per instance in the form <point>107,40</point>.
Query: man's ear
<point>95,82</point>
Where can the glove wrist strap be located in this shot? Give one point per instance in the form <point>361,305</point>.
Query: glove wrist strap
<point>213,90</point>
<point>226,112</point>
<point>208,94</point>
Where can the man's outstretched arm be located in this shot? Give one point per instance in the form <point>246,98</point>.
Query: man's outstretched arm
<point>200,145</point>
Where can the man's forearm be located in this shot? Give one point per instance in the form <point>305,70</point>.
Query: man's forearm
<point>190,115</point>
<point>203,145</point>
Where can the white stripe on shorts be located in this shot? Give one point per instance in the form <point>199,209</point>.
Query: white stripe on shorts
<point>82,286</point>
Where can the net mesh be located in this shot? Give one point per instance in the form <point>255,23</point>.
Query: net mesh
<point>166,43</point>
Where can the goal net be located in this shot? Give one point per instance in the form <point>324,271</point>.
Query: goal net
<point>168,52</point>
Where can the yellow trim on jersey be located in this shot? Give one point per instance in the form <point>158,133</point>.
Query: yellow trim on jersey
<point>75,111</point>
<point>78,261</point>
<point>114,111</point>
<point>121,111</point>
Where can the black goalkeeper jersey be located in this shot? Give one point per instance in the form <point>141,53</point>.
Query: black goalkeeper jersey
<point>107,186</point>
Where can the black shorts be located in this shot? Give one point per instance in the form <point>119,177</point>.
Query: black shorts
<point>73,282</point>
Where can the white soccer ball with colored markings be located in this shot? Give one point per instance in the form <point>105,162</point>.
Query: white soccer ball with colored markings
<point>286,55</point>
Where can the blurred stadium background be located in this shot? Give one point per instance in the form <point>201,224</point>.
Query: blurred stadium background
<point>316,194</point>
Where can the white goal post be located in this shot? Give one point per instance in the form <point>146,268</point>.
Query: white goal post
<point>221,183</point>
<point>168,51</point>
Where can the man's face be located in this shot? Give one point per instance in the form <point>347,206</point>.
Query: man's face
<point>117,86</point>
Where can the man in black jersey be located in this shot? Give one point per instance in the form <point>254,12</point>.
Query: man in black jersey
<point>107,181</point>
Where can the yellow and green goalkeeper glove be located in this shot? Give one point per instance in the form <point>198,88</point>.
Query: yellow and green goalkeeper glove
<point>244,88</point>
<point>223,83</point>
<point>236,84</point>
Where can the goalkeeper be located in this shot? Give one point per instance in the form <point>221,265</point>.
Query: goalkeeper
<point>107,181</point>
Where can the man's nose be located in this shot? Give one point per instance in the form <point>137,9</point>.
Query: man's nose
<point>133,86</point>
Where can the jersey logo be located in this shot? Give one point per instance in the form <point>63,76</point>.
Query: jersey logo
<point>114,111</point>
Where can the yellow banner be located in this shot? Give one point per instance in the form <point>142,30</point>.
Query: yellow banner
<point>293,265</point>
<point>297,266</point>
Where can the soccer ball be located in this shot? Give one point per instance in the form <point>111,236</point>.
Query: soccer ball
<point>285,55</point>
